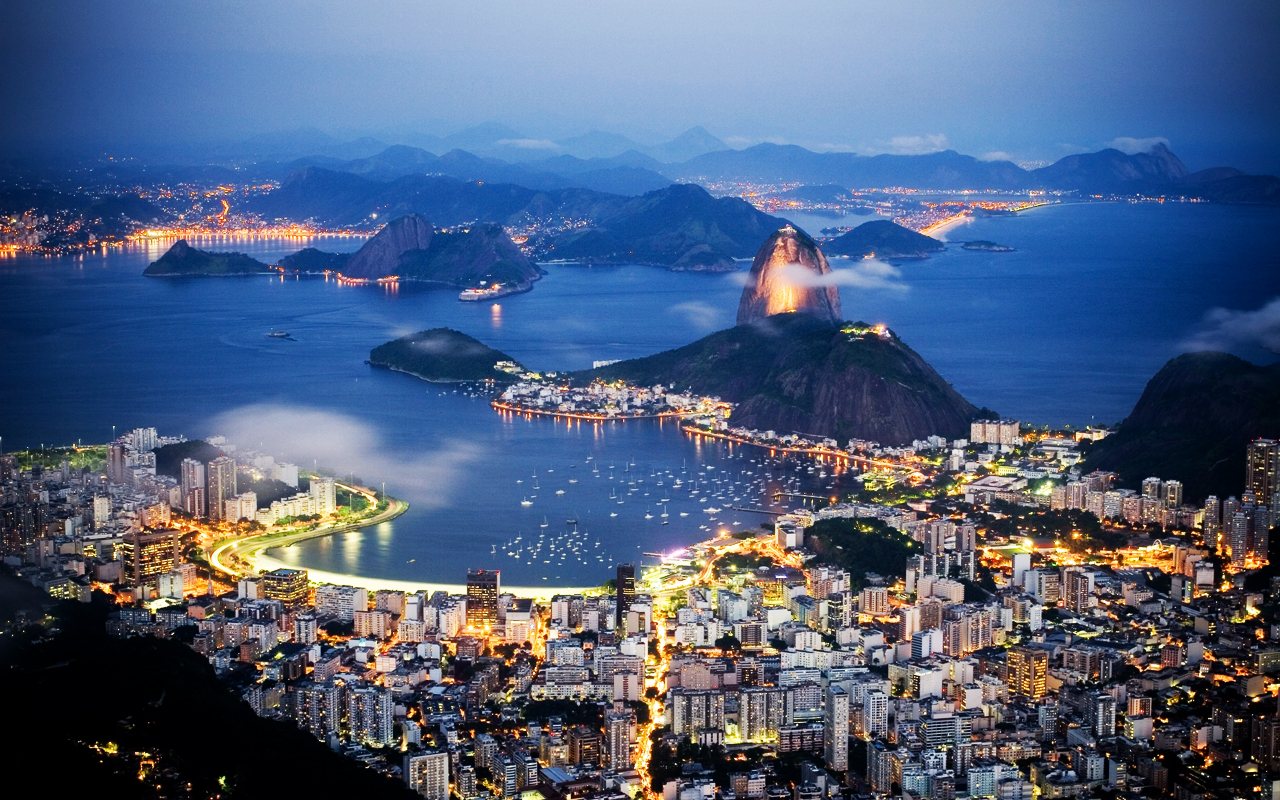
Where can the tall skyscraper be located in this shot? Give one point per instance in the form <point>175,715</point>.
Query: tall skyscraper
<point>1028,668</point>
<point>220,485</point>
<point>1237,530</point>
<point>483,588</point>
<point>1262,470</point>
<point>194,491</point>
<point>617,725</point>
<point>117,467</point>
<point>835,729</point>
<point>1211,523</point>
<point>626,592</point>
<point>1077,589</point>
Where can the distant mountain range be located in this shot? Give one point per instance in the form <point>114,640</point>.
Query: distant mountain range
<point>1192,423</point>
<point>538,184</point>
<point>681,226</point>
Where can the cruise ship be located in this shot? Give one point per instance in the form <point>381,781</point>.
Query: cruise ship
<point>481,292</point>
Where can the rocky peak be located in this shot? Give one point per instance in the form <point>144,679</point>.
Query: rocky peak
<point>381,255</point>
<point>787,276</point>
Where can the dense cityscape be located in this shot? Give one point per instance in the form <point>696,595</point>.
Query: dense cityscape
<point>987,621</point>
<point>659,401</point>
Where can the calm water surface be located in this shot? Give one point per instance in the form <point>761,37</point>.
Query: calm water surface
<point>1066,329</point>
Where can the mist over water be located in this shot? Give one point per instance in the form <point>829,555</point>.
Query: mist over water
<point>1067,329</point>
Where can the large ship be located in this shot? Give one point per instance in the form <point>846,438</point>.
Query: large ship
<point>482,292</point>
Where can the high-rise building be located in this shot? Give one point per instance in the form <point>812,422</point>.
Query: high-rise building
<point>1100,714</point>
<point>1237,530</point>
<point>483,588</point>
<point>101,510</point>
<point>692,711</point>
<point>117,465</point>
<point>145,555</point>
<point>289,586</point>
<point>1028,668</point>
<point>836,729</point>
<point>995,431</point>
<point>874,600</point>
<point>305,628</point>
<point>625,592</point>
<point>618,724</point>
<point>1077,589</point>
<point>761,711</point>
<point>1152,488</point>
<point>370,715</point>
<point>194,488</point>
<point>584,745</point>
<point>1262,470</point>
<point>1211,522</point>
<point>324,495</point>
<point>428,774</point>
<point>1172,494</point>
<point>317,707</point>
<point>875,713</point>
<point>220,485</point>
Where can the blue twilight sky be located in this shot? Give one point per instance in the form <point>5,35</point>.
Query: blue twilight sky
<point>1034,80</point>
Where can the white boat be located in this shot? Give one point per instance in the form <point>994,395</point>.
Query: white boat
<point>526,502</point>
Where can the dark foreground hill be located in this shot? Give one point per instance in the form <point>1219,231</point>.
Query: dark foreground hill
<point>148,718</point>
<point>1193,422</point>
<point>798,373</point>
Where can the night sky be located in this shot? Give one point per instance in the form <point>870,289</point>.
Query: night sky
<point>1031,81</point>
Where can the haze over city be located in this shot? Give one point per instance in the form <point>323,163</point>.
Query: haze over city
<point>1027,81</point>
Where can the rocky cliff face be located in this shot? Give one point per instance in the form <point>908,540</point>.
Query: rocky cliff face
<point>1193,422</point>
<point>787,276</point>
<point>380,256</point>
<point>481,253</point>
<point>798,373</point>
<point>410,248</point>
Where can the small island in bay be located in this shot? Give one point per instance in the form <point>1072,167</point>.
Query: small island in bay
<point>481,259</point>
<point>443,355</point>
<point>986,247</point>
<point>883,238</point>
<point>182,260</point>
